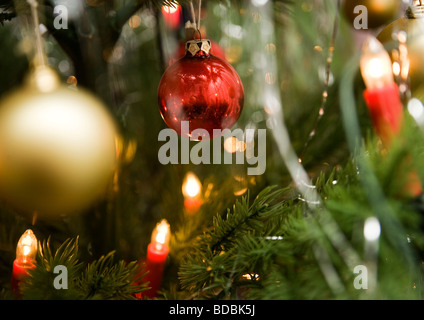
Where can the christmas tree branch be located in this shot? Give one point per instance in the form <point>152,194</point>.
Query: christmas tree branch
<point>241,258</point>
<point>207,266</point>
<point>244,218</point>
<point>104,278</point>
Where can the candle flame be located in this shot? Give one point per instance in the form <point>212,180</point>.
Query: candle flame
<point>191,185</point>
<point>161,233</point>
<point>376,65</point>
<point>170,9</point>
<point>27,246</point>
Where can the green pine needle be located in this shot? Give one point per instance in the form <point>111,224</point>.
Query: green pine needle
<point>104,278</point>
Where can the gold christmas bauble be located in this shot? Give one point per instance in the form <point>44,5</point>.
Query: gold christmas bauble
<point>379,12</point>
<point>57,148</point>
<point>413,27</point>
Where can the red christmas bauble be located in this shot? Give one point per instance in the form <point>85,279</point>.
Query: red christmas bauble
<point>203,90</point>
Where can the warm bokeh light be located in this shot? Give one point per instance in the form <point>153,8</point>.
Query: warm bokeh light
<point>192,189</point>
<point>134,22</point>
<point>376,65</point>
<point>26,248</point>
<point>170,9</point>
<point>172,15</point>
<point>249,276</point>
<point>396,68</point>
<point>191,185</point>
<point>232,145</point>
<point>44,79</point>
<point>372,229</point>
<point>161,233</point>
<point>72,80</point>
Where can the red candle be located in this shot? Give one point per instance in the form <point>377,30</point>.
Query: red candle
<point>193,205</point>
<point>383,100</point>
<point>382,93</point>
<point>26,251</point>
<point>157,253</point>
<point>386,110</point>
<point>192,193</point>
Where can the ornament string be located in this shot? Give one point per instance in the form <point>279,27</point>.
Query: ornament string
<point>198,19</point>
<point>193,15</point>
<point>329,61</point>
<point>195,25</point>
<point>41,59</point>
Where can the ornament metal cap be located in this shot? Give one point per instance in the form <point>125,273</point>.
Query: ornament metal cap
<point>195,46</point>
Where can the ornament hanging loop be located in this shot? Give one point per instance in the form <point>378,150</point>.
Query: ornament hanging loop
<point>200,34</point>
<point>189,25</point>
<point>40,60</point>
<point>43,78</point>
<point>193,25</point>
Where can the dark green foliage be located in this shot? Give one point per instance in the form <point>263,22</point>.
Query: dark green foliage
<point>216,255</point>
<point>104,278</point>
<point>108,279</point>
<point>291,252</point>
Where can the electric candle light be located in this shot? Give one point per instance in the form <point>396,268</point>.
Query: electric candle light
<point>172,15</point>
<point>382,93</point>
<point>192,193</point>
<point>26,251</point>
<point>157,253</point>
<point>383,100</point>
